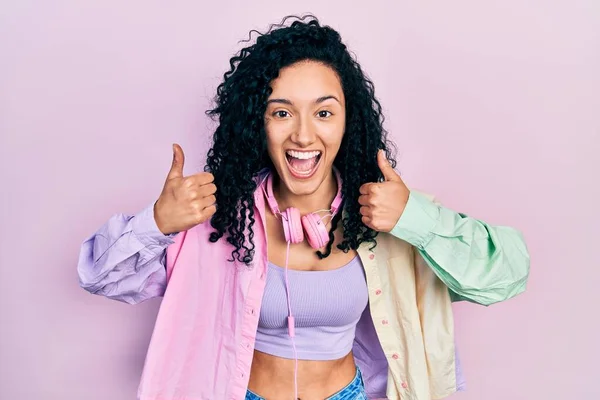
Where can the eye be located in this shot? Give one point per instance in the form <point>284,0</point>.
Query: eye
<point>281,114</point>
<point>324,114</point>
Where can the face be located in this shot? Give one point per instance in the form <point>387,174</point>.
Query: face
<point>305,122</point>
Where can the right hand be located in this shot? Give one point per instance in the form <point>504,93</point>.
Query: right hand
<point>185,201</point>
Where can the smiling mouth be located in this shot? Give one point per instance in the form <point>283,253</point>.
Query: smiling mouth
<point>303,164</point>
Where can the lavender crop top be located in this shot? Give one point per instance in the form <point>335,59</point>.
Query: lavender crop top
<point>326,305</point>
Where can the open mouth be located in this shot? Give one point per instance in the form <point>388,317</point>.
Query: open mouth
<point>303,164</point>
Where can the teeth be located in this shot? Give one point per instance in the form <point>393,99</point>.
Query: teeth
<point>303,155</point>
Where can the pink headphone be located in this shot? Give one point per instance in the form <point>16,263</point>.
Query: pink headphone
<point>311,225</point>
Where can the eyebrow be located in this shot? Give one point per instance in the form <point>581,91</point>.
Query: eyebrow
<point>289,102</point>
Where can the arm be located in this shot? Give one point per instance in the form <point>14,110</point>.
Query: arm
<point>125,259</point>
<point>478,262</point>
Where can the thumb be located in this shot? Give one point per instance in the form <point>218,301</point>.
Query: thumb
<point>386,168</point>
<point>178,160</point>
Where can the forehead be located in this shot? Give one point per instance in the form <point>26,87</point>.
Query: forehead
<point>306,81</point>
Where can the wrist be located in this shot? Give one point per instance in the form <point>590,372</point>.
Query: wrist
<point>158,221</point>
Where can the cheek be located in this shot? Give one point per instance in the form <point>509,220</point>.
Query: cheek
<point>333,136</point>
<point>276,136</point>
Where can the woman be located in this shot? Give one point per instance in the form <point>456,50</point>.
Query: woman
<point>299,264</point>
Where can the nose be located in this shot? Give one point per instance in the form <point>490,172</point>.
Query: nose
<point>305,133</point>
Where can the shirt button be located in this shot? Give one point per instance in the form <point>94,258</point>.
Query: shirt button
<point>372,256</point>
<point>384,322</point>
<point>378,292</point>
<point>404,385</point>
<point>395,356</point>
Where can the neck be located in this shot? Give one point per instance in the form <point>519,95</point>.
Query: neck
<point>321,199</point>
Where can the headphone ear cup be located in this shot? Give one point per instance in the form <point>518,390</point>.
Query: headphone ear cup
<point>292,226</point>
<point>316,231</point>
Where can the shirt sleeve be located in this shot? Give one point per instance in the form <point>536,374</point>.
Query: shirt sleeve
<point>125,259</point>
<point>478,262</point>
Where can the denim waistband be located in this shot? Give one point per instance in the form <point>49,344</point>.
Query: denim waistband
<point>355,390</point>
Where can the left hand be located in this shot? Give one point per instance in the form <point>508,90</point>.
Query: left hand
<point>382,203</point>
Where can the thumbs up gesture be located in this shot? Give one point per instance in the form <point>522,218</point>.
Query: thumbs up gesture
<point>185,201</point>
<point>382,203</point>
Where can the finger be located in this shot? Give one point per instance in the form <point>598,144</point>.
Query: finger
<point>386,168</point>
<point>208,201</point>
<point>209,211</point>
<point>203,213</point>
<point>177,164</point>
<point>207,190</point>
<point>366,211</point>
<point>201,178</point>
<point>366,188</point>
<point>366,220</point>
<point>370,188</point>
<point>364,200</point>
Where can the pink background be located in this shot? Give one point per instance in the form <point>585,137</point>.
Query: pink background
<point>494,105</point>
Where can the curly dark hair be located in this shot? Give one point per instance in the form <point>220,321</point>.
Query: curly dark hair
<point>239,149</point>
